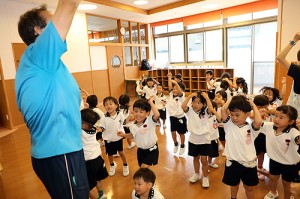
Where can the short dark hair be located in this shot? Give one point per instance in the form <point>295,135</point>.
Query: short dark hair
<point>209,72</point>
<point>142,104</point>
<point>275,91</point>
<point>223,94</point>
<point>162,86</point>
<point>149,79</point>
<point>28,21</point>
<point>261,100</point>
<point>178,76</point>
<point>181,85</point>
<point>225,75</point>
<point>124,102</point>
<point>92,100</point>
<point>89,116</point>
<point>146,174</point>
<point>111,98</point>
<point>241,103</point>
<point>291,112</point>
<point>224,85</point>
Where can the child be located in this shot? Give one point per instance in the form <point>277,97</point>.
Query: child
<point>282,141</point>
<point>220,99</point>
<point>92,101</point>
<point>240,86</point>
<point>144,180</point>
<point>160,103</point>
<point>177,118</point>
<point>210,84</point>
<point>198,126</point>
<point>178,78</point>
<point>143,132</point>
<point>214,118</point>
<point>139,85</point>
<point>111,124</point>
<point>150,88</point>
<point>262,103</point>
<point>124,108</point>
<point>239,150</point>
<point>95,166</point>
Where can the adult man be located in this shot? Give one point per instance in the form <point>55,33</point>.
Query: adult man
<point>49,99</point>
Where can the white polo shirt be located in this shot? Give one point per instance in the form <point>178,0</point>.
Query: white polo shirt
<point>91,147</point>
<point>239,141</point>
<point>144,135</point>
<point>149,91</point>
<point>160,101</point>
<point>101,115</point>
<point>213,127</point>
<point>174,105</point>
<point>112,125</point>
<point>281,148</point>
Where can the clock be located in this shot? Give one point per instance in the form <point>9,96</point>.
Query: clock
<point>122,31</point>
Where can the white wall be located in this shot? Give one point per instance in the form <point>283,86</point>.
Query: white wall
<point>76,59</point>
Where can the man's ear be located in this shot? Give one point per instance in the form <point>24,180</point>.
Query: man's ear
<point>37,30</point>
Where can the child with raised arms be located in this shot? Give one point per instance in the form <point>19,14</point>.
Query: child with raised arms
<point>111,124</point>
<point>198,126</point>
<point>239,150</point>
<point>143,132</point>
<point>160,103</point>
<point>282,143</point>
<point>95,165</point>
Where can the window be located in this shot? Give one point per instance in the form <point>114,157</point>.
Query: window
<point>175,27</point>
<point>213,45</point>
<point>162,50</point>
<point>266,13</point>
<point>239,18</point>
<point>194,26</point>
<point>176,48</point>
<point>160,29</point>
<point>195,47</point>
<point>213,23</point>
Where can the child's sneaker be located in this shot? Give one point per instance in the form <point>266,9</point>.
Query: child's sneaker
<point>213,165</point>
<point>175,149</point>
<point>130,146</point>
<point>205,182</point>
<point>126,170</point>
<point>112,169</point>
<point>260,176</point>
<point>164,126</point>
<point>194,178</point>
<point>182,150</point>
<point>270,195</point>
<point>263,170</point>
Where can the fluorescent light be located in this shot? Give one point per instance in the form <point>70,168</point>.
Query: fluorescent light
<point>87,7</point>
<point>140,2</point>
<point>210,6</point>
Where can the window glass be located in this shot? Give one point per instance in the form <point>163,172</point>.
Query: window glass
<point>144,53</point>
<point>213,23</point>
<point>194,26</point>
<point>176,48</point>
<point>214,45</point>
<point>239,18</point>
<point>128,56</point>
<point>195,47</point>
<point>134,33</point>
<point>162,50</point>
<point>143,33</point>
<point>175,27</point>
<point>266,13</point>
<point>136,56</point>
<point>160,29</point>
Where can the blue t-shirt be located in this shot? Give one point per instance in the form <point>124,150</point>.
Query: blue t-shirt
<point>49,97</point>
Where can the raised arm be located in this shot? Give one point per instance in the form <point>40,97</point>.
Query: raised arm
<point>154,109</point>
<point>186,101</point>
<point>224,110</point>
<point>283,87</point>
<point>177,87</point>
<point>257,117</point>
<point>281,57</point>
<point>63,16</point>
<point>208,102</point>
<point>170,81</point>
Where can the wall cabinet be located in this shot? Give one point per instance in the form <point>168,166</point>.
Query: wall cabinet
<point>193,79</point>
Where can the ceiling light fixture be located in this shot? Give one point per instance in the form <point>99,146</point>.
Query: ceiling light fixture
<point>140,2</point>
<point>87,7</point>
<point>209,6</point>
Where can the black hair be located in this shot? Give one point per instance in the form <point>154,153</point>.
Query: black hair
<point>181,85</point>
<point>28,21</point>
<point>298,55</point>
<point>242,81</point>
<point>241,103</point>
<point>203,101</point>
<point>89,116</point>
<point>149,79</point>
<point>210,72</point>
<point>178,76</point>
<point>160,86</point>
<point>223,94</point>
<point>114,100</point>
<point>291,112</point>
<point>124,102</point>
<point>275,91</point>
<point>261,100</point>
<point>224,85</point>
<point>146,174</point>
<point>225,75</point>
<point>92,100</point>
<point>142,104</point>
<point>214,104</point>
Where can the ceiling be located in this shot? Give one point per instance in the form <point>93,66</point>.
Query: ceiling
<point>156,10</point>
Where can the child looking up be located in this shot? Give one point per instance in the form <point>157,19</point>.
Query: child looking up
<point>143,132</point>
<point>198,126</point>
<point>144,180</point>
<point>239,150</point>
<point>111,124</point>
<point>282,141</point>
<point>95,166</point>
<point>177,118</point>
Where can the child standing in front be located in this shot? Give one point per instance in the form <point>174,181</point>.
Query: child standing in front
<point>198,126</point>
<point>144,180</point>
<point>160,103</point>
<point>111,124</point>
<point>282,142</point>
<point>124,108</point>
<point>239,150</point>
<point>143,132</point>
<point>95,166</point>
<point>177,117</point>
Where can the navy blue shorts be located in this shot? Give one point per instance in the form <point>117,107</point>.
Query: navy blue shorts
<point>113,147</point>
<point>288,172</point>
<point>199,149</point>
<point>148,156</point>
<point>221,133</point>
<point>64,176</point>
<point>162,114</point>
<point>178,124</point>
<point>260,144</point>
<point>96,171</point>
<point>214,150</point>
